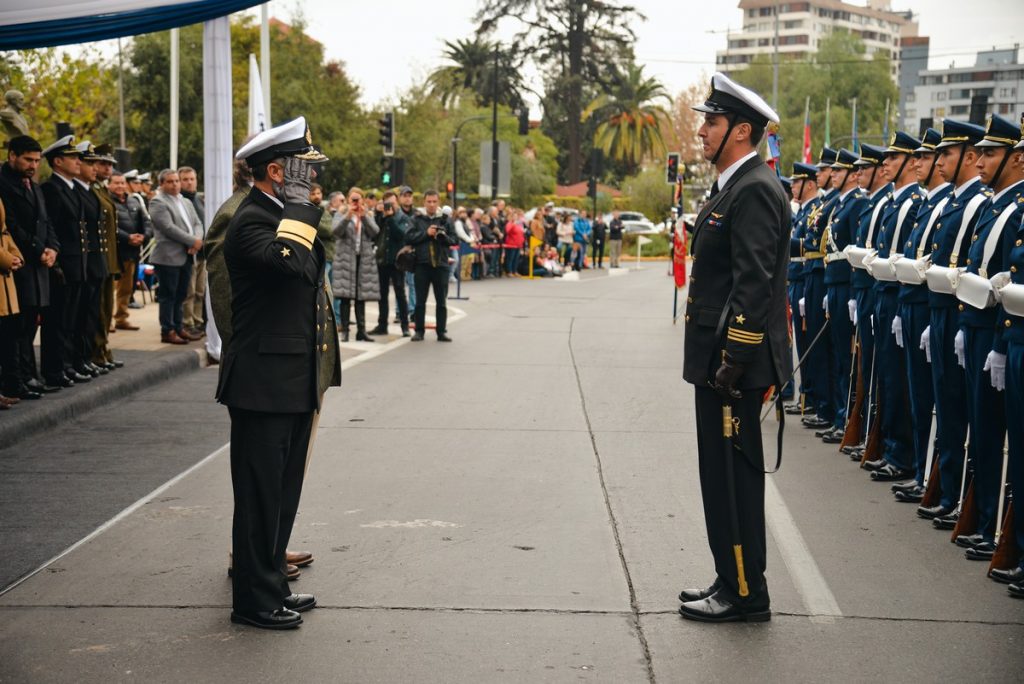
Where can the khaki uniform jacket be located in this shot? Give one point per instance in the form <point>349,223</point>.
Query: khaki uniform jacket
<point>8,252</point>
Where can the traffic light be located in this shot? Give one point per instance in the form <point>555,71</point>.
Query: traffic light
<point>672,168</point>
<point>524,121</point>
<point>592,188</point>
<point>450,189</point>
<point>385,172</point>
<point>386,125</point>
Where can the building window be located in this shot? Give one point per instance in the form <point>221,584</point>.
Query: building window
<point>793,24</point>
<point>799,7</point>
<point>940,112</point>
<point>959,110</point>
<point>1005,108</point>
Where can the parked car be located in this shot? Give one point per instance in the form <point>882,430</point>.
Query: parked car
<point>635,222</point>
<point>558,211</point>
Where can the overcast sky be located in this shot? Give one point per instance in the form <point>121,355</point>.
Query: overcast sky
<point>385,52</point>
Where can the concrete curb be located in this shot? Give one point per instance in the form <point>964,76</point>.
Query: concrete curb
<point>28,418</point>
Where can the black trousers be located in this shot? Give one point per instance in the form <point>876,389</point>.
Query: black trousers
<point>268,460</point>
<point>425,277</point>
<point>51,335</point>
<point>392,277</point>
<point>748,477</point>
<point>597,249</point>
<point>10,326</point>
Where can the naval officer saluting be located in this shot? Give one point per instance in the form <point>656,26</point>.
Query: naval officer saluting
<point>282,355</point>
<point>736,346</point>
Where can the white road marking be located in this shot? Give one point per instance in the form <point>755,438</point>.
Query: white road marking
<point>411,524</point>
<point>821,605</point>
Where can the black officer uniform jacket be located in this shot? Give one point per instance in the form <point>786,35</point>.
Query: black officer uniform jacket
<point>737,295</point>
<point>283,351</point>
<point>30,227</point>
<point>96,252</point>
<point>64,207</point>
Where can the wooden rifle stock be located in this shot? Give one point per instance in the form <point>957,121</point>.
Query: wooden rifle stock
<point>933,490</point>
<point>1007,555</point>
<point>854,420</point>
<point>967,523</point>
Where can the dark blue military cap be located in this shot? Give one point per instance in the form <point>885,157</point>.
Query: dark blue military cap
<point>959,133</point>
<point>803,171</point>
<point>828,157</point>
<point>870,155</point>
<point>787,183</point>
<point>845,160</point>
<point>902,143</point>
<point>1000,133</point>
<point>929,141</point>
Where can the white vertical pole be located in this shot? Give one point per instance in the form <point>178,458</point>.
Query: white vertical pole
<point>175,64</point>
<point>265,58</point>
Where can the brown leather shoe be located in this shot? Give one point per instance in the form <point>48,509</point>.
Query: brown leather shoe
<point>186,335</point>
<point>292,572</point>
<point>172,338</point>
<point>299,559</point>
<point>125,325</point>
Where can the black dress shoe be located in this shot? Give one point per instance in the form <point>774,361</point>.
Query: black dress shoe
<point>821,433</point>
<point>117,364</point>
<point>406,333</point>
<point>793,409</point>
<point>946,522</point>
<point>1016,590</point>
<point>890,473</point>
<point>300,603</point>
<point>814,422</point>
<point>915,495</point>
<point>1013,575</point>
<point>966,541</point>
<point>22,392</point>
<point>687,595</point>
<point>850,449</point>
<point>418,337</point>
<point>108,365</point>
<point>379,330</point>
<point>983,551</point>
<point>363,337</point>
<point>77,377</point>
<point>905,486</point>
<point>833,437</point>
<point>441,337</point>
<point>63,381</point>
<point>89,370</point>
<point>36,386</point>
<point>874,465</point>
<point>932,512</point>
<point>716,608</point>
<point>282,618</point>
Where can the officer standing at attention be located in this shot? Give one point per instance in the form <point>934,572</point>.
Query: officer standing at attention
<point>984,351</point>
<point>956,158</point>
<point>282,354</point>
<point>816,364</point>
<point>805,192</point>
<point>736,346</point>
<point>915,316</point>
<point>896,461</point>
<point>840,232</point>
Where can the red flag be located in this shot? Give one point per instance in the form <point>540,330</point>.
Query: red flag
<point>679,255</point>
<point>807,133</point>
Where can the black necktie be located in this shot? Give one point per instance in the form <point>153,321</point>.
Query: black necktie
<point>714,190</point>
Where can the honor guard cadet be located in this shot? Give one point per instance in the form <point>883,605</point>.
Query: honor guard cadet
<point>984,351</point>
<point>862,303</point>
<point>1010,327</point>
<point>955,162</point>
<point>915,315</point>
<point>104,163</point>
<point>812,309</point>
<point>896,460</point>
<point>95,260</point>
<point>736,346</point>
<point>804,191</point>
<point>282,354</point>
<point>840,232</point>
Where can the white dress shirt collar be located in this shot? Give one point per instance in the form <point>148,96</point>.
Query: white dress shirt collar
<point>724,177</point>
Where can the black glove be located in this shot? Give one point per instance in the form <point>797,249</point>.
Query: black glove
<point>726,377</point>
<point>298,179</point>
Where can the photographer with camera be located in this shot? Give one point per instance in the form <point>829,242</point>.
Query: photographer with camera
<point>431,235</point>
<point>393,226</point>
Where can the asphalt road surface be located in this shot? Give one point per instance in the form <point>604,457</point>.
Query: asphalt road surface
<point>519,506</point>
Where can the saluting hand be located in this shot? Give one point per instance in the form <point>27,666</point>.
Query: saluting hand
<point>298,179</point>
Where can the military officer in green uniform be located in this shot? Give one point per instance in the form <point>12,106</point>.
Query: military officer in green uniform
<point>282,354</point>
<point>736,346</point>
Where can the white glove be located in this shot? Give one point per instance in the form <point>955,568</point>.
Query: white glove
<point>999,281</point>
<point>871,320</point>
<point>853,310</point>
<point>897,330</point>
<point>995,364</point>
<point>958,347</point>
<point>824,303</point>
<point>925,337</point>
<point>803,308</point>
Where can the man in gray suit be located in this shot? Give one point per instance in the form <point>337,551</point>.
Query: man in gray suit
<point>178,232</point>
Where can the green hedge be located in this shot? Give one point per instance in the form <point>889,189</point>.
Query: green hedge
<point>658,247</point>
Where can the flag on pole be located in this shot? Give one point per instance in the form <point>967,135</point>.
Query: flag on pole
<point>828,122</point>
<point>641,240</point>
<point>855,145</point>
<point>774,151</point>
<point>257,113</point>
<point>807,131</point>
<point>885,124</point>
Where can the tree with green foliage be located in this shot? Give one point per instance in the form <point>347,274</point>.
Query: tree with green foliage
<point>649,193</point>
<point>837,71</point>
<point>630,117</point>
<point>575,42</point>
<point>472,70</point>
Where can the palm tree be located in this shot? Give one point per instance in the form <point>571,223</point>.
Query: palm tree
<point>473,71</point>
<point>630,117</point>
